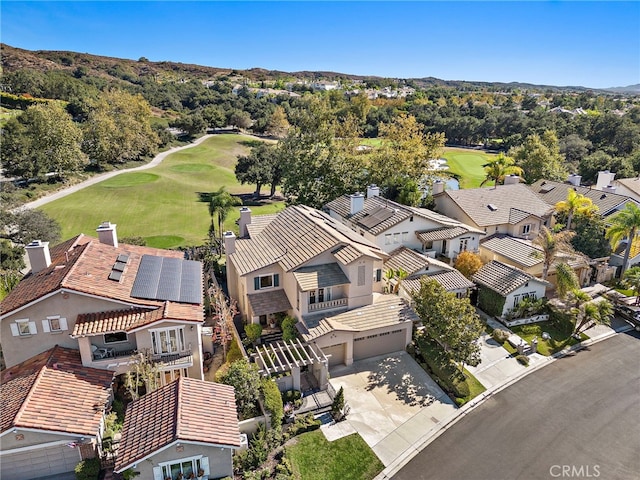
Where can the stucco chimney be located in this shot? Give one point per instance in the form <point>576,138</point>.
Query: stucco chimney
<point>574,179</point>
<point>229,242</point>
<point>107,234</point>
<point>609,189</point>
<point>605,178</point>
<point>245,219</point>
<point>373,191</point>
<point>511,179</point>
<point>39,256</point>
<point>437,187</point>
<point>356,203</point>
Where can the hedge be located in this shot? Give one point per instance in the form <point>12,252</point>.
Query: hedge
<point>491,302</point>
<point>273,400</point>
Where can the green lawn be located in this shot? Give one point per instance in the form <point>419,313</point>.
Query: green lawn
<point>467,165</point>
<point>560,336</point>
<point>162,204</point>
<point>348,458</point>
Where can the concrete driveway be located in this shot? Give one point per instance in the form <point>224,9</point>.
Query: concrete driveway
<point>393,403</point>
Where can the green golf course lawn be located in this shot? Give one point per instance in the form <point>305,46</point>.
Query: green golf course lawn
<point>467,165</point>
<point>162,204</point>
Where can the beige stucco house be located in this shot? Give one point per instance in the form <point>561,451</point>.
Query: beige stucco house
<point>107,300</point>
<point>391,225</point>
<point>51,414</point>
<point>303,263</point>
<point>187,427</point>
<point>512,209</point>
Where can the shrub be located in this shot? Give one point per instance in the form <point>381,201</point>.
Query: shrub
<point>234,352</point>
<point>338,403</point>
<point>273,400</point>
<point>292,396</point>
<point>439,364</point>
<point>303,424</point>
<point>500,335</point>
<point>523,359</point>
<point>289,331</point>
<point>253,331</point>
<point>88,469</point>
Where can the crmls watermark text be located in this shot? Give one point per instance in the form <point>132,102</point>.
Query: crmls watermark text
<point>574,471</point>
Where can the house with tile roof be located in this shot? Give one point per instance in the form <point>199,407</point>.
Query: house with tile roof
<point>107,300</point>
<point>303,263</point>
<point>188,426</point>
<point>524,255</point>
<point>417,265</point>
<point>51,413</point>
<point>512,209</point>
<point>502,287</point>
<point>390,225</point>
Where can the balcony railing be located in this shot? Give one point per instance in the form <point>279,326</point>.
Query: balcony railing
<point>337,303</point>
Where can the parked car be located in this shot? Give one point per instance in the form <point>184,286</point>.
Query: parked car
<point>629,314</point>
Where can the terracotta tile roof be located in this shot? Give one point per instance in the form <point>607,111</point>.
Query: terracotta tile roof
<point>53,391</point>
<point>320,276</point>
<point>553,192</point>
<point>114,321</point>
<point>83,264</point>
<point>518,251</point>
<point>183,410</point>
<point>449,279</point>
<point>379,214</point>
<point>297,234</point>
<point>444,233</point>
<point>496,206</point>
<point>412,261</point>
<point>388,311</point>
<point>502,278</point>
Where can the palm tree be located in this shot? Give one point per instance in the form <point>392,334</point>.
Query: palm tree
<point>220,204</point>
<point>575,203</point>
<point>498,168</point>
<point>551,245</point>
<point>632,279</point>
<point>585,310</point>
<point>566,279</point>
<point>624,224</point>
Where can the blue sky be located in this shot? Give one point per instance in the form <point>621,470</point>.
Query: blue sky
<point>593,44</point>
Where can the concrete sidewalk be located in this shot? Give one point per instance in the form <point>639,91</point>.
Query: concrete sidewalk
<point>501,371</point>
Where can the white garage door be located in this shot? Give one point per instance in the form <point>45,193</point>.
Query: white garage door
<point>378,344</point>
<point>40,463</point>
<point>335,354</point>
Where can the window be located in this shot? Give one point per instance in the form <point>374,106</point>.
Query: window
<point>266,281</point>
<point>378,277</point>
<point>23,328</point>
<point>387,239</point>
<point>312,297</point>
<point>167,376</point>
<point>526,228</point>
<point>168,340</point>
<point>405,237</point>
<point>184,466</point>
<point>396,238</point>
<point>361,273</point>
<point>115,337</point>
<point>464,244</point>
<point>521,296</point>
<point>54,324</point>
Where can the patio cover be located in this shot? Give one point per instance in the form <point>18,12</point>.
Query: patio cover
<point>280,357</point>
<point>272,301</point>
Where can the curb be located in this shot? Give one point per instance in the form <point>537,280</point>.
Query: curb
<point>444,425</point>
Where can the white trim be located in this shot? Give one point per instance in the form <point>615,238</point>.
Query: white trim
<point>33,447</point>
<point>170,445</point>
<point>51,432</point>
<point>157,323</point>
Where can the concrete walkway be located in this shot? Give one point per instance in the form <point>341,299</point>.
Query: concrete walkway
<point>157,160</point>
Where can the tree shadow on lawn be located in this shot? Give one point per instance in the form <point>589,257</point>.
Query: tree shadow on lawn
<point>247,199</point>
<point>392,374</point>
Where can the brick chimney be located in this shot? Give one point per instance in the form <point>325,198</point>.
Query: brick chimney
<point>373,191</point>
<point>229,243</point>
<point>245,219</point>
<point>356,203</point>
<point>39,256</point>
<point>107,234</point>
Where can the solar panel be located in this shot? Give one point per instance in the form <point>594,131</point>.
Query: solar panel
<point>172,279</point>
<point>115,275</point>
<point>123,258</point>
<point>376,217</point>
<point>119,266</point>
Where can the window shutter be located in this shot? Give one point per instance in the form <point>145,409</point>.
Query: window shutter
<point>63,324</point>
<point>45,326</point>
<point>14,330</point>
<point>276,280</point>
<point>378,275</point>
<point>32,328</point>
<point>204,464</point>
<point>256,283</point>
<point>157,473</point>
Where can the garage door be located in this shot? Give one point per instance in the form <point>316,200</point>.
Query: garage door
<point>40,463</point>
<point>335,354</point>
<point>378,344</point>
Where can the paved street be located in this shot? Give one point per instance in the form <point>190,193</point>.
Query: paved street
<point>579,413</point>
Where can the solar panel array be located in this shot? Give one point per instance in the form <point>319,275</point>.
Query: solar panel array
<point>171,279</point>
<point>118,267</point>
<point>376,216</point>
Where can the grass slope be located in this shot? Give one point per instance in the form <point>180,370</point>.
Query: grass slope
<point>467,165</point>
<point>348,458</point>
<point>161,204</point>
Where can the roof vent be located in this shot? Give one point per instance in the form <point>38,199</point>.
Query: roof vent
<point>118,267</point>
<point>492,207</point>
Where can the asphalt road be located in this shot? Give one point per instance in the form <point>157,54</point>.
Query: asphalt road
<point>576,418</point>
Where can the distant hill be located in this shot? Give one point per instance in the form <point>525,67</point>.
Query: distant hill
<point>117,68</point>
<point>632,89</point>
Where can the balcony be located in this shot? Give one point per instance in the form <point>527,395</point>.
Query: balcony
<point>337,303</point>
<point>184,359</point>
